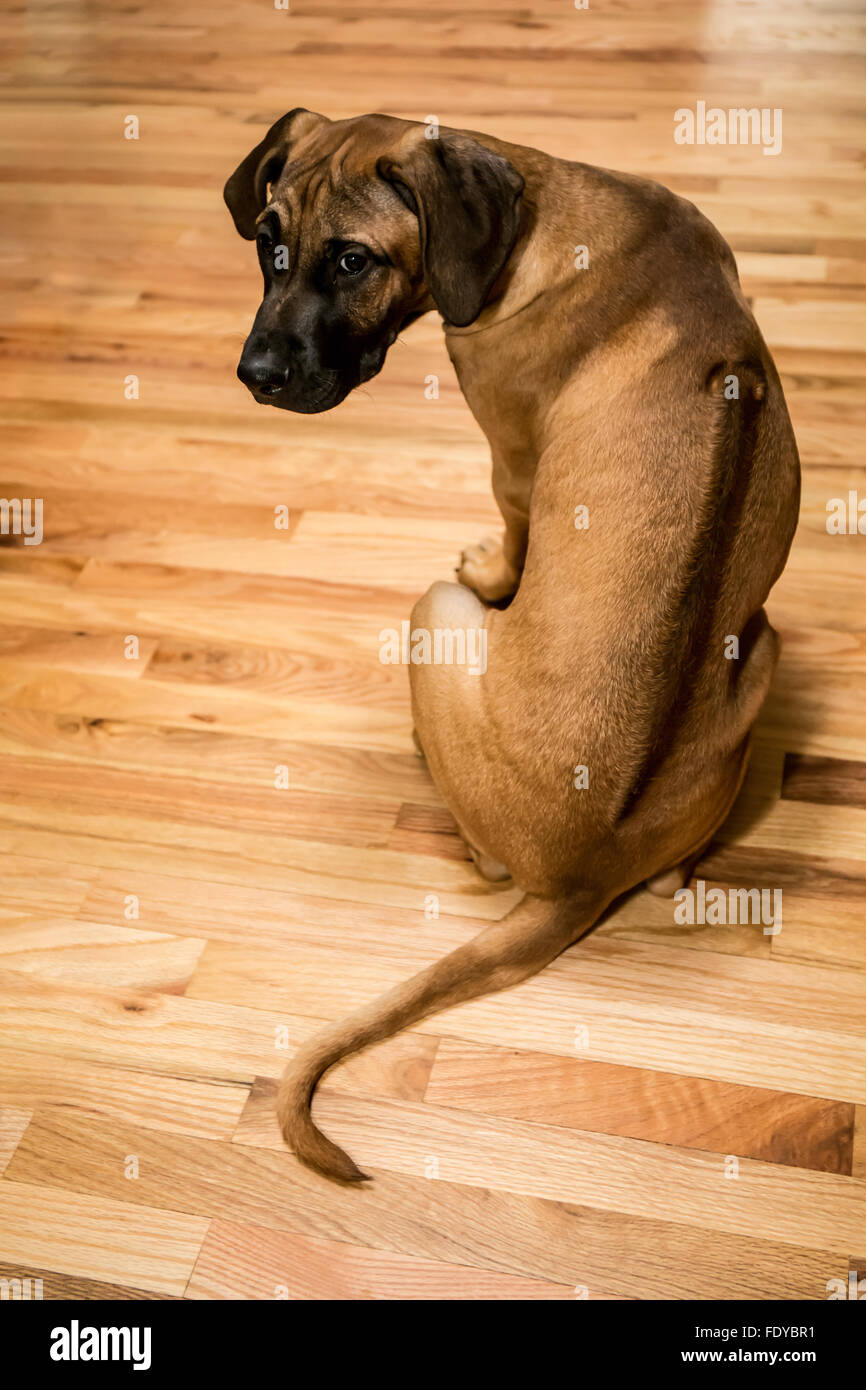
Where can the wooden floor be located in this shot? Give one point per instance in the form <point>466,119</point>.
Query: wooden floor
<point>668,1112</point>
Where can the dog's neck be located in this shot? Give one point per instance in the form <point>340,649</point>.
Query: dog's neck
<point>557,215</point>
<point>565,206</point>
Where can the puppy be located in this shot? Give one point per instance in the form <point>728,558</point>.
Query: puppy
<point>648,479</point>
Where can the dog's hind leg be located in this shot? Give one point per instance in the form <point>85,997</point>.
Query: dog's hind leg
<point>447,704</point>
<point>670,881</point>
<point>487,866</point>
<point>760,644</point>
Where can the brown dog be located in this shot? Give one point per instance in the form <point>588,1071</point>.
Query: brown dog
<point>646,470</point>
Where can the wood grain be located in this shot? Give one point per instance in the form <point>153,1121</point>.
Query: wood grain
<point>253,1262</point>
<point>111,1241</point>
<point>670,1110</point>
<point>687,1111</point>
<point>607,1250</point>
<point>828,781</point>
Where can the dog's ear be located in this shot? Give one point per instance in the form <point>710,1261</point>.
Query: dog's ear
<point>246,191</point>
<point>466,200</point>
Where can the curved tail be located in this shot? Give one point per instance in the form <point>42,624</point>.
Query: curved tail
<point>531,936</point>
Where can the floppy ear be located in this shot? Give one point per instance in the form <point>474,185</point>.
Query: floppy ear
<point>466,200</point>
<point>246,191</point>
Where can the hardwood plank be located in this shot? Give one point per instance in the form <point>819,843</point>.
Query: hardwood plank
<point>793,1205</point>
<point>165,1033</point>
<point>799,875</point>
<point>209,1110</point>
<point>42,885</point>
<point>76,651</point>
<point>825,931</point>
<point>244,914</point>
<point>690,1112</point>
<point>605,1251</point>
<point>427,830</point>
<point>724,1017</point>
<point>827,781</point>
<point>92,953</point>
<point>13,1123</point>
<point>104,697</point>
<point>641,916</point>
<point>113,1241</point>
<point>299,866</point>
<point>66,1288</point>
<point>209,808</point>
<point>859,1157</point>
<point>253,1262</point>
<point>209,755</point>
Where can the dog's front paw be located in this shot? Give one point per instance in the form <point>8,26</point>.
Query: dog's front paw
<point>484,568</point>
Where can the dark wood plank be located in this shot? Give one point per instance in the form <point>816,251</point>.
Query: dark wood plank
<point>48,1285</point>
<point>827,781</point>
<point>696,1113</point>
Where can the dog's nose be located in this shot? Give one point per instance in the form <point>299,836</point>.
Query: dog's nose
<point>263,373</point>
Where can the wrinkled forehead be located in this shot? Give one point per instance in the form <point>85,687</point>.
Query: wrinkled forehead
<point>330,188</point>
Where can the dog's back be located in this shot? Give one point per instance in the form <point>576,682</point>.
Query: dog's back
<point>663,506</point>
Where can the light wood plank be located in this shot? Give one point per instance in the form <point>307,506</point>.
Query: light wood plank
<point>109,1240</point>
<point>252,1262</point>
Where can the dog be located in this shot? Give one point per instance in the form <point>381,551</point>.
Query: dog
<point>648,478</point>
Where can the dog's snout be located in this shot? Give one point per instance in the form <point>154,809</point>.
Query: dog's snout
<point>263,373</point>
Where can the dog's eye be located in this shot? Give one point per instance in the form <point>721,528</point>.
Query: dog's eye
<point>352,262</point>
<point>265,243</point>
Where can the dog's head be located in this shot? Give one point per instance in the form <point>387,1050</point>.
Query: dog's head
<point>362,225</point>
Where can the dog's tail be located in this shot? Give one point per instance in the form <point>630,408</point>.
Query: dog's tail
<point>526,940</point>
